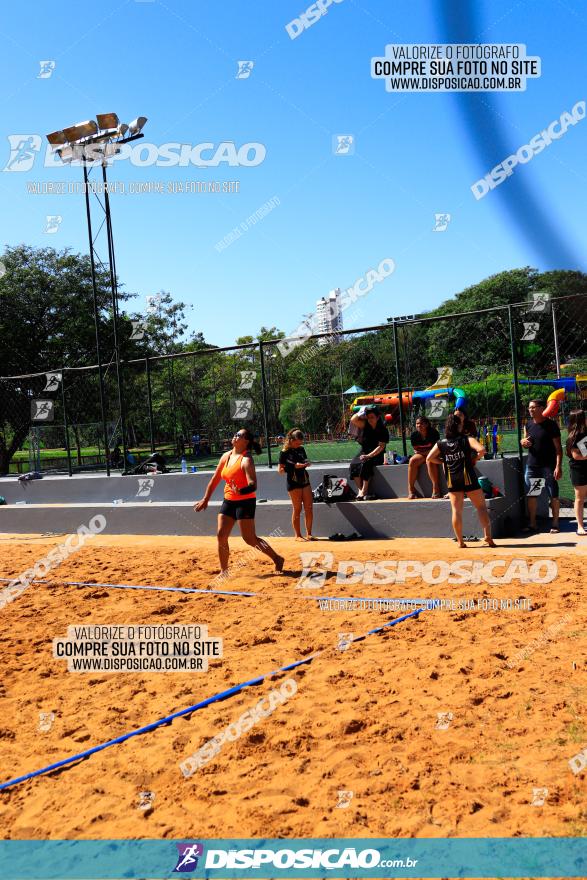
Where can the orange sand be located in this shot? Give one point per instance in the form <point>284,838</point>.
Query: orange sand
<point>362,720</point>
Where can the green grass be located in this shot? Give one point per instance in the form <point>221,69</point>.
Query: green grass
<point>46,454</point>
<point>322,451</point>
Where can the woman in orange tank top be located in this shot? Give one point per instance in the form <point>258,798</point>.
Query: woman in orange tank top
<point>237,469</point>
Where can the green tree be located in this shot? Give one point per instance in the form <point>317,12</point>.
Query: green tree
<point>46,323</point>
<point>300,410</point>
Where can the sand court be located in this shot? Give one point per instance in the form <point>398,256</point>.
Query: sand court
<point>425,723</point>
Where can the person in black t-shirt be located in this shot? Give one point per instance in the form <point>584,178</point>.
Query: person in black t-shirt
<point>293,462</point>
<point>373,438</point>
<point>544,463</point>
<point>422,440</point>
<point>459,455</point>
<point>577,452</point>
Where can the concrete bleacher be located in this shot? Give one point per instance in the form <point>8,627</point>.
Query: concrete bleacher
<point>162,504</point>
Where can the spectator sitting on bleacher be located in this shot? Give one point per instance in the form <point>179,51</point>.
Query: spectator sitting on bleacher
<point>370,431</point>
<point>423,439</point>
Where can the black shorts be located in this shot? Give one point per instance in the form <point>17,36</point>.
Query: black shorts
<point>462,487</point>
<point>244,509</point>
<point>291,487</point>
<point>365,468</point>
<point>579,474</point>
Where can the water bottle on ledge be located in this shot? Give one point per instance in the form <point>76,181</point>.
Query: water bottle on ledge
<point>184,466</point>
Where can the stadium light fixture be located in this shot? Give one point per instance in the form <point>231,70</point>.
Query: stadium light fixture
<point>75,133</point>
<point>107,130</point>
<point>107,120</point>
<point>56,138</point>
<point>90,142</point>
<point>137,125</point>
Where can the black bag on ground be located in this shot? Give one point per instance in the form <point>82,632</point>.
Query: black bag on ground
<point>335,488</point>
<point>318,494</point>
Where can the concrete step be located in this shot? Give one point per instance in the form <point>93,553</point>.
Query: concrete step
<point>370,519</point>
<point>389,481</point>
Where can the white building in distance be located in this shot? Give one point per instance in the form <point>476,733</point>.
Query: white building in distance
<point>329,317</point>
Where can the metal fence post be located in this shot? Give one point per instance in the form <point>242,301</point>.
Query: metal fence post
<point>399,388</point>
<point>97,323</point>
<point>173,406</point>
<point>265,406</point>
<point>65,423</point>
<point>517,404</point>
<point>150,403</point>
<point>115,318</point>
<point>556,348</point>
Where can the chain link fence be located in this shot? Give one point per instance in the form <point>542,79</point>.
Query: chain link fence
<point>188,404</point>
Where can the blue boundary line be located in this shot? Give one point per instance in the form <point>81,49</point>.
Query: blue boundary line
<point>134,587</point>
<point>230,692</point>
<point>216,592</point>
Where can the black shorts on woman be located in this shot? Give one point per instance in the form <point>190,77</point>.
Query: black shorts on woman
<point>244,509</point>
<point>578,469</point>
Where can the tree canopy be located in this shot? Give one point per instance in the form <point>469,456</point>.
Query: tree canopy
<point>47,323</point>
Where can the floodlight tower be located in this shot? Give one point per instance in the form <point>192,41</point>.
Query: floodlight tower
<point>90,143</point>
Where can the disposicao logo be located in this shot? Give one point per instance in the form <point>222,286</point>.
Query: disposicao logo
<point>188,855</point>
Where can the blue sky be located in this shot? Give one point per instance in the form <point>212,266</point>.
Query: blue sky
<point>338,216</point>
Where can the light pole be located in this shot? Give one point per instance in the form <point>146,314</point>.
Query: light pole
<point>90,143</point>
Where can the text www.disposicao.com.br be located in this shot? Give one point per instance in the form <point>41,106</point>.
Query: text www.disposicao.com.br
<point>135,664</point>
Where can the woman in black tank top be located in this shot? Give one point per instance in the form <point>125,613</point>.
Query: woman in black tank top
<point>459,454</point>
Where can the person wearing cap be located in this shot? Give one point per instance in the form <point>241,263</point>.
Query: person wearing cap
<point>371,433</point>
